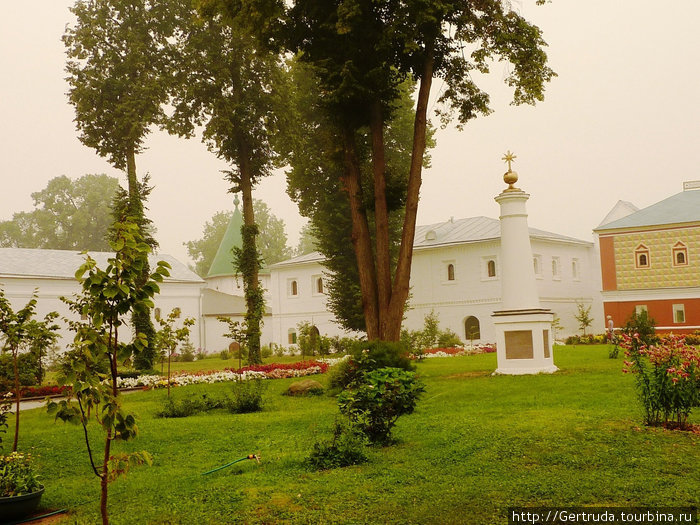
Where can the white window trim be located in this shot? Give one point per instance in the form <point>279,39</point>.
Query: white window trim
<point>445,266</point>
<point>485,268</point>
<point>556,261</point>
<point>290,295</point>
<point>314,285</point>
<point>538,273</point>
<point>639,308</point>
<point>679,308</point>
<point>576,263</point>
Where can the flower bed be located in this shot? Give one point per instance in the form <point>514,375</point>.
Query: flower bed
<point>42,391</point>
<point>455,351</point>
<point>271,371</point>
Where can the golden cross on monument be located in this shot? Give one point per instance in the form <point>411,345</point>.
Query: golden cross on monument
<point>509,157</point>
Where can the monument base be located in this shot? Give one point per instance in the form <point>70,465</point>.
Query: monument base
<point>524,341</point>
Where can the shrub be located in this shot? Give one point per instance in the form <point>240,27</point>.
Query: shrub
<point>201,354</point>
<point>266,351</point>
<point>643,326</point>
<point>448,339</point>
<point>375,403</point>
<point>187,352</point>
<point>371,355</point>
<point>341,375</point>
<point>188,406</point>
<point>247,396</point>
<point>344,449</point>
<point>279,350</point>
<point>224,354</point>
<point>342,345</point>
<point>667,377</point>
<point>29,370</point>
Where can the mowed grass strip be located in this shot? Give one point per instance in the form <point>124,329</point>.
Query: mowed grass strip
<point>476,445</point>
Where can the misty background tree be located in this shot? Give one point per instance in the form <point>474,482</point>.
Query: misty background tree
<point>69,215</point>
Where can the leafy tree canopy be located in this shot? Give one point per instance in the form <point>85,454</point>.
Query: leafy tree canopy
<point>69,215</point>
<point>363,52</point>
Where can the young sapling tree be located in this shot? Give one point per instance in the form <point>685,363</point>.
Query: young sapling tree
<point>20,331</point>
<point>168,337</point>
<point>107,297</point>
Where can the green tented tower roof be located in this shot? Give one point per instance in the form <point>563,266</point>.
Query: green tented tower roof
<point>223,261</point>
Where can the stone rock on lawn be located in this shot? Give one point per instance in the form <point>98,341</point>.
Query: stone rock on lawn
<point>305,388</point>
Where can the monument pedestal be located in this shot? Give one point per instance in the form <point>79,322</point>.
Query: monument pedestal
<point>524,341</point>
<point>523,327</point>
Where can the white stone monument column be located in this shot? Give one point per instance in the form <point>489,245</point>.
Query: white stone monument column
<point>523,327</point>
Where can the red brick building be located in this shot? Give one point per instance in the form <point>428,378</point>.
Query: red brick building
<point>650,260</point>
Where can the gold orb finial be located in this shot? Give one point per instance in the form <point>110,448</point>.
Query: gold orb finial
<point>510,177</point>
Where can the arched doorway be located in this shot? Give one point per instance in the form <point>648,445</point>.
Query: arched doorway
<point>472,329</point>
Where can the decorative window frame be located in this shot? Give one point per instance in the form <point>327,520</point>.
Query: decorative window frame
<point>642,251</point>
<point>576,269</point>
<point>314,285</point>
<point>446,272</point>
<point>293,287</point>
<point>537,266</point>
<point>485,268</point>
<point>680,249</point>
<point>679,309</point>
<point>639,308</point>
<point>556,268</point>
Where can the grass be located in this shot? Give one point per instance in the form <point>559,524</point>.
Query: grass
<point>476,445</point>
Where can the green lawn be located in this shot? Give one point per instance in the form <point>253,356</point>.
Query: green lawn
<point>476,445</point>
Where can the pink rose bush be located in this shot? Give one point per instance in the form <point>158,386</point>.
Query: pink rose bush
<point>667,376</point>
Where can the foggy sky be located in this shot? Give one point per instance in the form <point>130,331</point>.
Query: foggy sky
<point>621,121</point>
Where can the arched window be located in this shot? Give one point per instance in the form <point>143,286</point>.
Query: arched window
<point>536,265</point>
<point>575,269</point>
<point>491,268</point>
<point>556,268</point>
<point>450,272</point>
<point>641,256</point>
<point>319,285</point>
<point>156,312</point>
<point>472,330</point>
<point>680,254</point>
<point>293,288</point>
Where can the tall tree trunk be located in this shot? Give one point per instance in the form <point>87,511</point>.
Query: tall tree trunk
<point>361,239</point>
<point>249,263</point>
<point>403,267</point>
<point>18,396</point>
<point>381,218</point>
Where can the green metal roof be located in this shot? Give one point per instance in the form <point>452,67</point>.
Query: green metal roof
<point>223,261</point>
<point>678,209</point>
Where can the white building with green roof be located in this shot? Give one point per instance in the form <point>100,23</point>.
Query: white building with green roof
<point>223,295</point>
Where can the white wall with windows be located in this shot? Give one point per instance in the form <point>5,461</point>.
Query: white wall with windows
<point>460,281</point>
